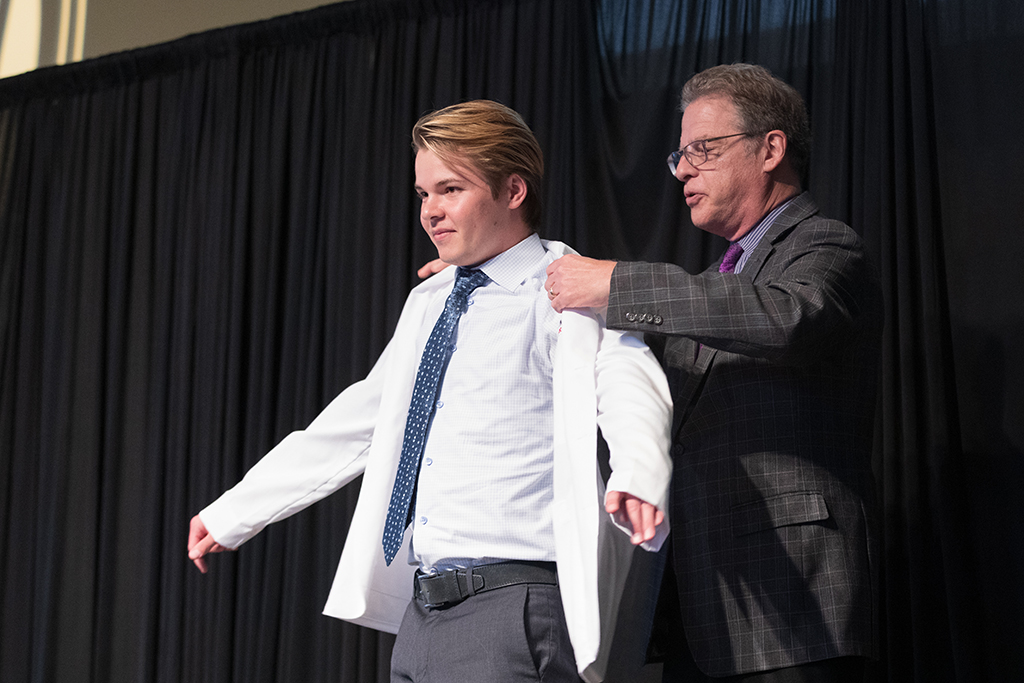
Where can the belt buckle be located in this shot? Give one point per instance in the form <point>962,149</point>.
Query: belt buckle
<point>443,583</point>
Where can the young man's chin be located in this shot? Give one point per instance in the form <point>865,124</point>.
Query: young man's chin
<point>455,259</point>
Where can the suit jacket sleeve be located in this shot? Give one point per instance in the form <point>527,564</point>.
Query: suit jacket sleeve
<point>799,294</point>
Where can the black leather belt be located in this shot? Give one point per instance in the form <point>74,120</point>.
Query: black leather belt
<point>451,587</point>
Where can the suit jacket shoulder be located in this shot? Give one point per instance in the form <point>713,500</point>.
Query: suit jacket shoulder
<point>808,278</point>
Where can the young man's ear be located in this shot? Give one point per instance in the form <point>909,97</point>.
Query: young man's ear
<point>516,188</point>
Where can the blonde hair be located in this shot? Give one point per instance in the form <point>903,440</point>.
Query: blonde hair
<point>490,138</point>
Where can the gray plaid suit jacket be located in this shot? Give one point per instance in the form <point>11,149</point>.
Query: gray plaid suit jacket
<point>774,378</point>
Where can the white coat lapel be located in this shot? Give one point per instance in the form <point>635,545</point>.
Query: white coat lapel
<point>366,591</point>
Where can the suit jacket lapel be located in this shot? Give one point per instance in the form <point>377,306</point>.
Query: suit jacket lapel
<point>799,209</point>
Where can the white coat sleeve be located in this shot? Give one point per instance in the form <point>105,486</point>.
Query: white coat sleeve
<point>305,467</point>
<point>635,417</point>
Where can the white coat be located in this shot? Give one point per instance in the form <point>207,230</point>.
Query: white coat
<point>601,378</point>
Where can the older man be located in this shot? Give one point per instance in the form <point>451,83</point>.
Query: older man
<point>772,358</point>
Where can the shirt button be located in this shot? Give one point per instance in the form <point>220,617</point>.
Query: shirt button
<point>440,404</point>
<point>429,461</point>
<point>423,520</point>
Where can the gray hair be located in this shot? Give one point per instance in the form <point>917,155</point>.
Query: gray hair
<point>763,102</point>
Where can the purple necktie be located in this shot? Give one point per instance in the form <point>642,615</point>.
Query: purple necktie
<point>731,258</point>
<point>728,265</point>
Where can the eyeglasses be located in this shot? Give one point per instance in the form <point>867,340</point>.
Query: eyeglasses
<point>696,152</point>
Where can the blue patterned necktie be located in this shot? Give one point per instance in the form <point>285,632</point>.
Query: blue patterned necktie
<point>421,409</point>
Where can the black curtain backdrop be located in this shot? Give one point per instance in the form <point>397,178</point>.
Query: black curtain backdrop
<point>201,243</point>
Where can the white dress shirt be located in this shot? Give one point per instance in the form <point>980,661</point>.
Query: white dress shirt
<point>485,485</point>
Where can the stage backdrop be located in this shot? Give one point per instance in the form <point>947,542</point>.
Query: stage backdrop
<point>203,242</point>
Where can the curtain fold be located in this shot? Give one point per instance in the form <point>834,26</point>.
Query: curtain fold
<point>201,243</point>
<point>922,496</point>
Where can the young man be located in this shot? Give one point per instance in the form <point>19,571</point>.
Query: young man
<point>479,423</point>
<point>772,355</point>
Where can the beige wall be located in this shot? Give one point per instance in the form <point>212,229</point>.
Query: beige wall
<point>35,33</point>
<point>115,25</point>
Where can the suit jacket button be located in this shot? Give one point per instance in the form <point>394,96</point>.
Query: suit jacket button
<point>631,316</point>
<point>657,320</point>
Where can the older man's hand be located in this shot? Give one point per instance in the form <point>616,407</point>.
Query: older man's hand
<point>579,282</point>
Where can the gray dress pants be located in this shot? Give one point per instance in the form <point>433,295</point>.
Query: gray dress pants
<point>512,634</point>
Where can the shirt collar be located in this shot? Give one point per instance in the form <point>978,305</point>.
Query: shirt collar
<point>512,267</point>
<point>753,237</point>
